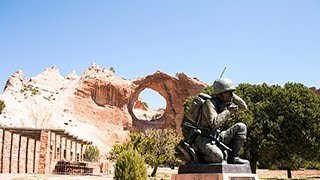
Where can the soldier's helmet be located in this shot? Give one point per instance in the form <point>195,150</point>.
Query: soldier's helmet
<point>223,85</point>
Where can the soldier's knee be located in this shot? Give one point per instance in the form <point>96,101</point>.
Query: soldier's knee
<point>215,157</point>
<point>218,157</point>
<point>242,126</point>
<point>213,154</point>
<point>242,130</point>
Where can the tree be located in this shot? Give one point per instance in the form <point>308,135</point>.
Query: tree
<point>157,146</point>
<point>91,154</point>
<point>40,116</point>
<point>283,125</point>
<point>2,106</point>
<point>130,166</point>
<point>145,104</point>
<point>117,149</point>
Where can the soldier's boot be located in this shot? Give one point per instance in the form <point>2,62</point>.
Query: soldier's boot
<point>233,156</point>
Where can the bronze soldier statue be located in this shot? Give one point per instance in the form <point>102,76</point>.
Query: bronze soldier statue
<point>215,112</point>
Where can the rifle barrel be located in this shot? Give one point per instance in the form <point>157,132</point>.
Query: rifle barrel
<point>207,135</point>
<point>223,71</point>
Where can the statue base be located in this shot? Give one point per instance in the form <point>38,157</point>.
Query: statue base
<point>214,171</point>
<point>214,168</point>
<point>215,176</point>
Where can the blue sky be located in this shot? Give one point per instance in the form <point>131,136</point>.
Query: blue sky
<point>268,41</point>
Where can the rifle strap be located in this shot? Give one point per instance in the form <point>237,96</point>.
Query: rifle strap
<point>199,116</point>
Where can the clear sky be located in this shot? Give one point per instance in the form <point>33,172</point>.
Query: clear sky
<point>268,41</point>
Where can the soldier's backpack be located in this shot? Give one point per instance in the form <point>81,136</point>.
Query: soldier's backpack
<point>194,113</point>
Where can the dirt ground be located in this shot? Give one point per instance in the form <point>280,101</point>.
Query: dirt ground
<point>163,173</point>
<point>262,173</point>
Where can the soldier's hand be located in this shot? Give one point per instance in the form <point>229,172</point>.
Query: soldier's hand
<point>233,108</point>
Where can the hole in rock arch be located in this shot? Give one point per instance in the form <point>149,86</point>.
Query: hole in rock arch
<point>149,106</point>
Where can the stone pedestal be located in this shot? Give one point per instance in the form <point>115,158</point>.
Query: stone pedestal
<point>216,171</point>
<point>215,176</point>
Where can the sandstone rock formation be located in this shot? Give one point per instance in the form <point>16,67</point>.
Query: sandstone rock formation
<point>139,105</point>
<point>96,105</point>
<point>174,90</point>
<point>314,89</point>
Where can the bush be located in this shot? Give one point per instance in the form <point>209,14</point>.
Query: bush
<point>2,106</point>
<point>91,153</point>
<point>157,146</point>
<point>312,165</point>
<point>134,144</point>
<point>112,69</point>
<point>130,166</point>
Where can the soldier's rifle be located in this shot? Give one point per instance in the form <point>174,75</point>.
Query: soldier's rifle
<point>202,132</point>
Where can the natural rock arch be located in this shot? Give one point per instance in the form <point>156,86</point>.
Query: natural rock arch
<point>174,90</point>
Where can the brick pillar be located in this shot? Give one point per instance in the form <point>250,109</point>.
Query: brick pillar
<point>65,152</point>
<point>81,153</point>
<point>60,151</point>
<point>43,163</point>
<point>71,152</point>
<point>2,149</point>
<point>76,151</point>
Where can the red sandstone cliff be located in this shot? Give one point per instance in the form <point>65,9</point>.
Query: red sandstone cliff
<point>95,106</point>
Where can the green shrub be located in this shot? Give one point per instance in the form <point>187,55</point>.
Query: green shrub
<point>117,149</point>
<point>312,165</point>
<point>112,69</point>
<point>145,104</point>
<point>35,91</point>
<point>2,106</point>
<point>91,153</point>
<point>130,166</point>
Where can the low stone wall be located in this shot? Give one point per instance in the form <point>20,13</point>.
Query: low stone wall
<point>264,173</point>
